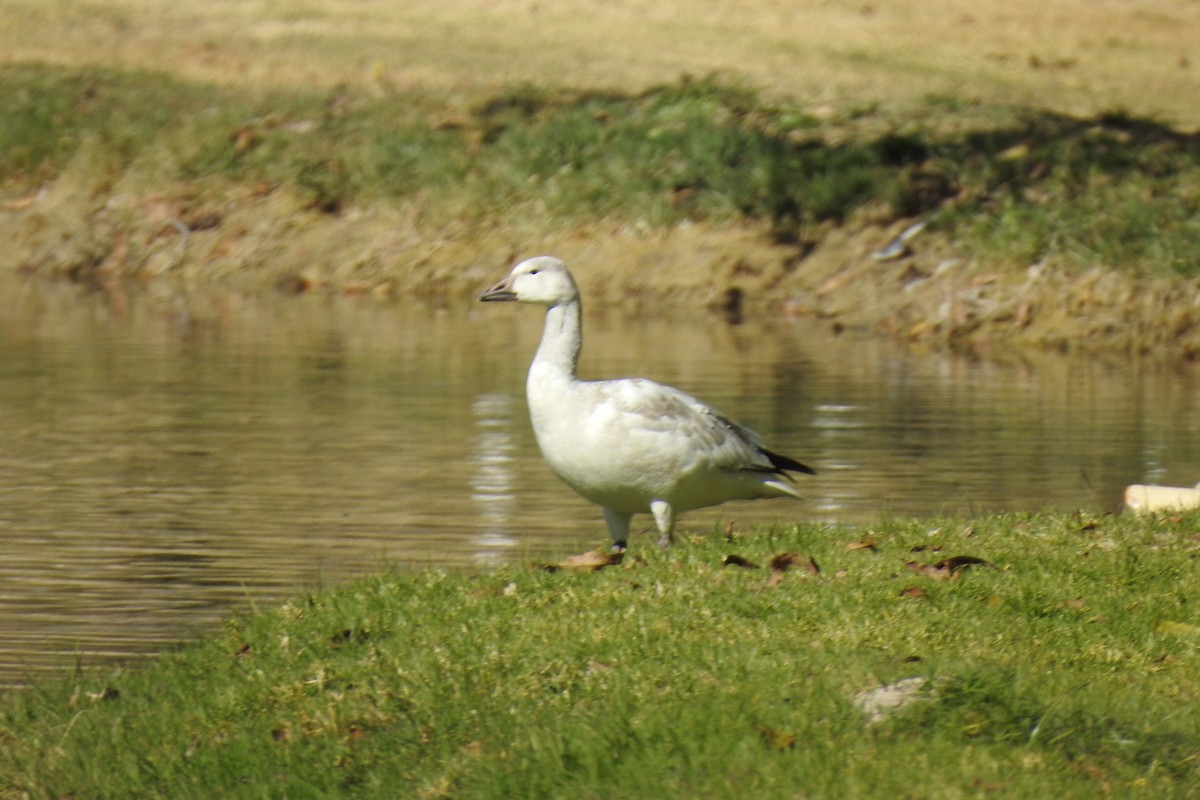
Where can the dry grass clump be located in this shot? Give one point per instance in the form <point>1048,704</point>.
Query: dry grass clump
<point>1077,56</point>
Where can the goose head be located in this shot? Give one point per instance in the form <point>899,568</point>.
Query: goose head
<point>543,280</point>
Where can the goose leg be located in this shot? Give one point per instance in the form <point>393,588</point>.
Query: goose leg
<point>618,527</point>
<point>664,518</point>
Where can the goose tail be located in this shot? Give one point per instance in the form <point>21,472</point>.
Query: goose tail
<point>785,464</point>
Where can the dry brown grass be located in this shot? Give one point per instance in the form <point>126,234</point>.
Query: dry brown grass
<point>1076,56</point>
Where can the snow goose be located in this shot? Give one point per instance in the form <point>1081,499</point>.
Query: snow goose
<point>631,445</point>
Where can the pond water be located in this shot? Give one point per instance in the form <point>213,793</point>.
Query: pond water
<point>163,464</point>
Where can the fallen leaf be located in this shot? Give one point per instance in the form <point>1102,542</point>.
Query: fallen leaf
<point>957,563</point>
<point>926,569</point>
<point>780,740</point>
<point>947,568</point>
<point>913,591</point>
<point>868,544</point>
<point>592,559</point>
<point>738,561</point>
<point>782,562</point>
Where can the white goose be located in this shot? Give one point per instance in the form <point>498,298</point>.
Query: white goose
<point>631,445</point>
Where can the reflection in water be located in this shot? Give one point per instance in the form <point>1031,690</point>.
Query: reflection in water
<point>492,484</point>
<point>835,424</point>
<point>160,468</point>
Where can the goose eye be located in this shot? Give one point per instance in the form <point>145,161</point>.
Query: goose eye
<point>533,272</point>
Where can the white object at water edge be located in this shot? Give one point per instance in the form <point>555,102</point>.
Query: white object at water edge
<point>1146,498</point>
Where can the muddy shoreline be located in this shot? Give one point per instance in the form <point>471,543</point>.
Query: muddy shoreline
<point>177,242</point>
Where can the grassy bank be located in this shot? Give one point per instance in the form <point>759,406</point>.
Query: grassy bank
<point>1006,184</point>
<point>1064,666</point>
<point>1040,226</point>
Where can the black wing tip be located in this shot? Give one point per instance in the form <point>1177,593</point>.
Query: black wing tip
<point>787,464</point>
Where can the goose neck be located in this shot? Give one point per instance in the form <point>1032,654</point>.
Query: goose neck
<point>562,339</point>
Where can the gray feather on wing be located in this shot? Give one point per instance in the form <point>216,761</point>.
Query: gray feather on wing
<point>658,408</point>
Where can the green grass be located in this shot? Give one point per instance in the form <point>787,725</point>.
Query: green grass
<point>1068,669</point>
<point>1007,185</point>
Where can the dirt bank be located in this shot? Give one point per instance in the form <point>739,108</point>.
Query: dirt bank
<point>177,241</point>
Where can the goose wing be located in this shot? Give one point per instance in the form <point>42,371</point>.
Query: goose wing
<point>671,421</point>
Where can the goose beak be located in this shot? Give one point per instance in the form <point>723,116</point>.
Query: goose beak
<point>502,291</point>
